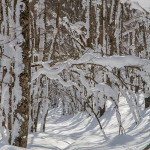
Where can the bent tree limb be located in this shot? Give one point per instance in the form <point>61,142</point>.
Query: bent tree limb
<point>101,128</point>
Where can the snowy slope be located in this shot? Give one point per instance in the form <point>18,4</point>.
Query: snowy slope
<point>80,132</point>
<point>139,4</point>
<point>143,3</point>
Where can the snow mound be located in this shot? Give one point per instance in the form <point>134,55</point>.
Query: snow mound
<point>8,147</point>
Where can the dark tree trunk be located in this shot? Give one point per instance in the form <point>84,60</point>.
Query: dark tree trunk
<point>147,102</point>
<point>25,79</point>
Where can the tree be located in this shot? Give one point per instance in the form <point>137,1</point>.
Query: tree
<point>16,64</point>
<point>24,78</point>
<point>108,91</point>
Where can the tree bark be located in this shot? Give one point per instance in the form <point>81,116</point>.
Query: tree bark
<point>25,79</point>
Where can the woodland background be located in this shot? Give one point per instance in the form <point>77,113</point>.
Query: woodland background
<point>39,34</point>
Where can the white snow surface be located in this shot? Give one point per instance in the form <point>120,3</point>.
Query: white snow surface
<point>79,132</point>
<point>139,4</point>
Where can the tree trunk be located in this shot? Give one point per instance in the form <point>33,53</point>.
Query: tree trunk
<point>24,79</point>
<point>147,102</point>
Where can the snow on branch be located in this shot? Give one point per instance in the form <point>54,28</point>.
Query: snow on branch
<point>106,89</point>
<point>111,61</point>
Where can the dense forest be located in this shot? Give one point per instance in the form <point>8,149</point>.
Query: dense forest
<point>75,53</point>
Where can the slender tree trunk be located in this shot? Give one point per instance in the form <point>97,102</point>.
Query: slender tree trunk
<point>10,115</point>
<point>1,49</point>
<point>58,30</point>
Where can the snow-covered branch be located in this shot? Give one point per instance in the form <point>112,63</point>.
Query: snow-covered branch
<point>109,62</point>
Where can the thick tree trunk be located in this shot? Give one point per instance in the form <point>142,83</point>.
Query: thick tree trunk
<point>25,79</point>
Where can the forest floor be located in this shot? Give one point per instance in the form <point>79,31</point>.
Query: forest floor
<point>79,132</point>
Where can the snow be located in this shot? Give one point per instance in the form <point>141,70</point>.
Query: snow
<point>8,147</point>
<point>110,61</point>
<point>144,3</point>
<point>79,132</point>
<point>82,132</point>
<point>139,4</point>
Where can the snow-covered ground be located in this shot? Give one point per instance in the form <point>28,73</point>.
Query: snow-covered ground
<point>80,132</point>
